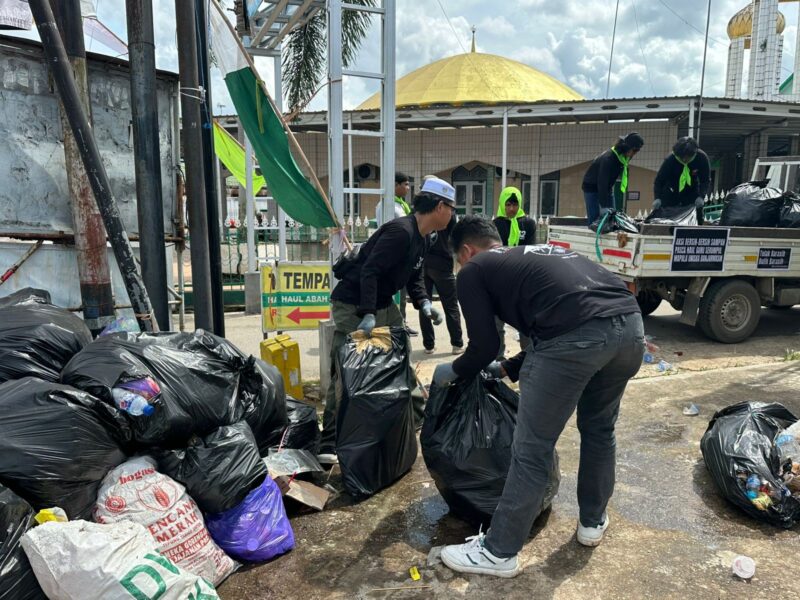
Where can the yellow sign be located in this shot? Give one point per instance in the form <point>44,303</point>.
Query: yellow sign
<point>294,295</point>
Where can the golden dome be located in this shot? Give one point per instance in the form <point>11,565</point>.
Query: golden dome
<point>741,24</point>
<point>474,78</point>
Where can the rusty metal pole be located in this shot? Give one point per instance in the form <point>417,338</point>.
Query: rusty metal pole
<point>90,234</point>
<point>144,111</point>
<point>59,66</point>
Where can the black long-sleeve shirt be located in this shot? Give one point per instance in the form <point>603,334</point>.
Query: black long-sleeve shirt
<point>440,256</point>
<point>527,230</point>
<point>541,291</point>
<point>388,261</point>
<point>668,177</point>
<point>601,176</point>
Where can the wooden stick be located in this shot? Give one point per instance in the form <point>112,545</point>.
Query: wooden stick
<point>407,587</point>
<point>292,140</point>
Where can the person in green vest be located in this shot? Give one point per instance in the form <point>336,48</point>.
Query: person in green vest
<point>602,174</point>
<point>515,229</point>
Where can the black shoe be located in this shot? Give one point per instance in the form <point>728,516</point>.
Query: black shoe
<point>411,332</point>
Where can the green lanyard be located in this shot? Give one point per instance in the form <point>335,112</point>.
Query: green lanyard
<point>686,174</point>
<point>623,187</point>
<point>403,204</point>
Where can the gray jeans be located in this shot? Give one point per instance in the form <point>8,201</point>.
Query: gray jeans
<point>588,369</point>
<point>346,321</point>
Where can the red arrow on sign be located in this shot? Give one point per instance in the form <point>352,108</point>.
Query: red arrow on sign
<point>296,315</point>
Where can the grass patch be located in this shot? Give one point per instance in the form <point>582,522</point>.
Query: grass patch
<point>791,354</point>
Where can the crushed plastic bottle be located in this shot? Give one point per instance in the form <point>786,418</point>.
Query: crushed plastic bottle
<point>134,404</point>
<point>663,366</point>
<point>648,358</point>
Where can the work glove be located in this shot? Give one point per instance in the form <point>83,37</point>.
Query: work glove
<point>657,204</point>
<point>432,313</point>
<point>444,374</point>
<point>699,202</point>
<point>367,324</point>
<point>496,370</point>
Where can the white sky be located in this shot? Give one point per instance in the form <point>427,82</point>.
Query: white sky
<point>569,39</point>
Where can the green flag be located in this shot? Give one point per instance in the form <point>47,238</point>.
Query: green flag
<point>264,128</point>
<point>231,153</point>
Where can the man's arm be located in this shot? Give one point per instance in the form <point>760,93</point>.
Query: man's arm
<point>416,288</point>
<point>476,306</point>
<point>389,249</point>
<point>703,175</point>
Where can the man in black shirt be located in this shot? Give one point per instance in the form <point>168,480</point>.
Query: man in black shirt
<point>388,261</point>
<point>602,174</point>
<point>588,341</point>
<point>684,177</point>
<point>438,269</point>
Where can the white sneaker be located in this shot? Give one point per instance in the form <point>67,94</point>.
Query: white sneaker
<point>430,350</point>
<point>473,557</point>
<point>458,350</point>
<point>592,536</point>
<point>327,457</point>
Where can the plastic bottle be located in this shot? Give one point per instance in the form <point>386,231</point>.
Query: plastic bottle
<point>664,366</point>
<point>788,446</point>
<point>133,404</point>
<point>648,358</point>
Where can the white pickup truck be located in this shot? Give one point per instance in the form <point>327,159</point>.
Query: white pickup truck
<point>718,277</point>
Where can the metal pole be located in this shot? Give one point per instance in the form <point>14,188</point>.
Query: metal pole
<point>90,235</point>
<point>388,22</point>
<point>691,117</point>
<point>611,58</point>
<point>505,149</point>
<point>185,18</point>
<point>276,63</point>
<point>147,156</point>
<point>252,265</point>
<point>212,205</point>
<point>351,196</point>
<point>703,74</point>
<point>335,126</point>
<point>92,162</point>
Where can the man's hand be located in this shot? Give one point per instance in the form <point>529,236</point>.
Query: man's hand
<point>657,204</point>
<point>699,202</point>
<point>433,314</point>
<point>444,374</point>
<point>367,324</point>
<point>496,370</point>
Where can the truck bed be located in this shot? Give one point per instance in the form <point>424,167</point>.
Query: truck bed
<point>648,254</point>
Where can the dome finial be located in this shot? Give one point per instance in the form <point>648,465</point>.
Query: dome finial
<point>473,38</point>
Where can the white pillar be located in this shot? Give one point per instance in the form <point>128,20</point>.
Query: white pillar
<point>763,50</point>
<point>389,27</point>
<point>733,86</point>
<point>796,81</point>
<point>278,97</point>
<point>504,161</point>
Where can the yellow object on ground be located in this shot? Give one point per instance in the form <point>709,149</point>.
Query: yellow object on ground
<point>284,354</point>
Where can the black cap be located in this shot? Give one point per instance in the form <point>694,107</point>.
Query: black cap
<point>633,140</point>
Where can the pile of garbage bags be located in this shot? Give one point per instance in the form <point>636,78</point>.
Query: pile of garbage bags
<point>752,204</point>
<point>752,451</point>
<point>466,443</point>
<point>376,440</point>
<point>156,438</point>
<point>683,216</point>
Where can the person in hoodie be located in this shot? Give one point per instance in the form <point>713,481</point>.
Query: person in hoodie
<point>602,174</point>
<point>515,229</point>
<point>684,178</point>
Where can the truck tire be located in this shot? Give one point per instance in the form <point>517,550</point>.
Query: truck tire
<point>729,311</point>
<point>648,301</point>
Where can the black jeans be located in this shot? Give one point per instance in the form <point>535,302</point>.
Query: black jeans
<point>585,369</point>
<point>445,283</point>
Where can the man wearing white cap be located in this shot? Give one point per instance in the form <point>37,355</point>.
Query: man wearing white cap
<point>389,260</point>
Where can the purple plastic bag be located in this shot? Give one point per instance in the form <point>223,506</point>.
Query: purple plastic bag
<point>257,529</point>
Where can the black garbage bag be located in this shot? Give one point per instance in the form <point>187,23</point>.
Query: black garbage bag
<point>36,338</point>
<point>17,580</point>
<point>375,437</point>
<point>466,443</point>
<point>219,469</point>
<point>685,216</point>
<point>790,211</point>
<point>55,444</point>
<point>303,432</point>
<point>752,204</point>
<point>614,220</point>
<point>739,453</point>
<point>205,382</point>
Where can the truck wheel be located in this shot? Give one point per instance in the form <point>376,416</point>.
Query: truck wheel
<point>729,311</point>
<point>648,301</point>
